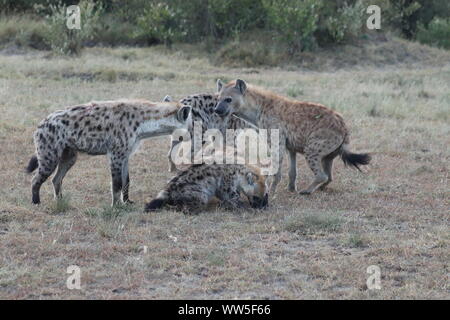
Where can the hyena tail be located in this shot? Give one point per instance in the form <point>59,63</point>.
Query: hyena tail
<point>32,164</point>
<point>354,159</point>
<point>157,203</point>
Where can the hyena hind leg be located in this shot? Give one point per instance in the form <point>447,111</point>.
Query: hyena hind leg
<point>315,153</point>
<point>45,170</point>
<point>327,163</point>
<point>320,177</point>
<point>192,203</point>
<point>68,159</point>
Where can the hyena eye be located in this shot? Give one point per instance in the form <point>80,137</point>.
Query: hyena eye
<point>228,100</point>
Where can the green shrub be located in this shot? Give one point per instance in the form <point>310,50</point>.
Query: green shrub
<point>346,22</point>
<point>244,53</point>
<point>295,21</point>
<point>23,31</point>
<point>63,40</point>
<point>294,25</point>
<point>408,15</point>
<point>159,23</point>
<point>228,18</point>
<point>112,33</point>
<point>436,34</point>
<point>61,205</point>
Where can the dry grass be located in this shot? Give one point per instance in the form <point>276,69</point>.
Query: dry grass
<point>395,215</point>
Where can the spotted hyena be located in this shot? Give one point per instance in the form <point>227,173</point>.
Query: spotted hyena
<point>112,128</point>
<point>304,127</point>
<point>203,105</point>
<point>193,189</point>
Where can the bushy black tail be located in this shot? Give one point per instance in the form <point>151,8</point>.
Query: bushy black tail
<point>355,159</point>
<point>157,203</point>
<point>32,164</point>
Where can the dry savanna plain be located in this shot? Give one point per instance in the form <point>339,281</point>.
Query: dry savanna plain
<point>394,214</point>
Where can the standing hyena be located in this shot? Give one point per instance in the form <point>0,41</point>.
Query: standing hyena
<point>308,128</point>
<point>203,111</point>
<point>114,128</point>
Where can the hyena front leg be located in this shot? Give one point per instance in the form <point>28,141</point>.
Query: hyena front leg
<point>68,159</point>
<point>116,162</point>
<point>292,170</point>
<point>231,201</point>
<point>125,182</point>
<point>277,176</point>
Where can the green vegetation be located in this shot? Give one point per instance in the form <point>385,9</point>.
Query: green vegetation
<point>290,26</point>
<point>437,33</point>
<point>312,223</point>
<point>61,205</point>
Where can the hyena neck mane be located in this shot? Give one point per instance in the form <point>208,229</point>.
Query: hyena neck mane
<point>159,119</point>
<point>258,101</point>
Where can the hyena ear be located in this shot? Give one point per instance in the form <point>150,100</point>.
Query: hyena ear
<point>219,85</point>
<point>183,113</point>
<point>167,98</point>
<point>241,86</point>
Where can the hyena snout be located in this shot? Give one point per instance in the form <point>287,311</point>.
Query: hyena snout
<point>260,202</point>
<point>222,109</point>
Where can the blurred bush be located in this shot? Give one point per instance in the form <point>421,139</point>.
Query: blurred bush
<point>159,24</point>
<point>294,25</point>
<point>295,21</point>
<point>437,33</point>
<point>63,40</point>
<point>23,31</point>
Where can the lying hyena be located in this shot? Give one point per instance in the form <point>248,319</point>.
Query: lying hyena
<point>193,189</point>
<point>304,127</point>
<point>114,128</point>
<point>203,111</point>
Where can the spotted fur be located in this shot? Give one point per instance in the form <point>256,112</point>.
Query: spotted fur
<point>304,127</point>
<point>193,189</point>
<point>203,111</point>
<point>113,128</point>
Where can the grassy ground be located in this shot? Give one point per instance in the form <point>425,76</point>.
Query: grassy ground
<point>394,215</point>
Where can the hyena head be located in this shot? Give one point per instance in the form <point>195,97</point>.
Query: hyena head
<point>171,116</point>
<point>253,185</point>
<point>184,114</point>
<point>231,97</point>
